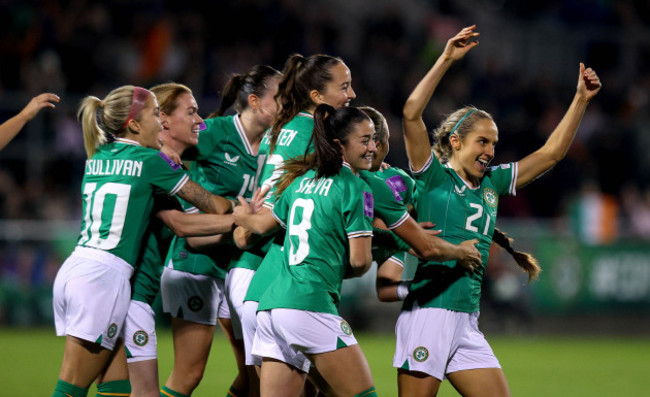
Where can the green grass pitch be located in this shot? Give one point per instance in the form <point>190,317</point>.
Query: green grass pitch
<point>534,366</point>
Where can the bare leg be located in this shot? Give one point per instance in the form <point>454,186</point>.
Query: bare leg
<point>279,379</point>
<point>345,370</point>
<point>241,380</point>
<point>488,382</point>
<point>116,368</point>
<point>83,361</point>
<point>144,378</point>
<point>192,342</point>
<point>416,384</point>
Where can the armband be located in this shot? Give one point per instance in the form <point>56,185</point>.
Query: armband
<point>403,289</point>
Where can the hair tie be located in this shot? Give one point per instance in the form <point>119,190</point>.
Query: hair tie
<point>460,121</point>
<point>138,102</point>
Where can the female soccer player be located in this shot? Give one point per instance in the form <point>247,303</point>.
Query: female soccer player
<point>225,163</point>
<point>306,83</point>
<point>437,330</point>
<point>327,239</point>
<point>10,128</point>
<point>92,289</point>
<point>181,121</point>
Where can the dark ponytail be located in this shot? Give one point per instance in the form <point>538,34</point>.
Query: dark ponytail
<point>327,159</point>
<point>240,86</point>
<point>524,260</point>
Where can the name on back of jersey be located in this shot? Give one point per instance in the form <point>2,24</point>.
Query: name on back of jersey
<point>320,186</point>
<point>113,167</point>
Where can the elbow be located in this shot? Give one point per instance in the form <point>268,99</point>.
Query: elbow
<point>360,265</point>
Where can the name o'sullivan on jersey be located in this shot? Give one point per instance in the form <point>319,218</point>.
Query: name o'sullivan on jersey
<point>114,167</point>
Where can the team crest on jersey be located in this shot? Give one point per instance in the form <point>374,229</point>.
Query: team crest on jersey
<point>195,303</point>
<point>231,160</point>
<point>112,330</point>
<point>345,327</point>
<point>490,197</point>
<point>420,354</point>
<point>461,191</point>
<point>140,338</point>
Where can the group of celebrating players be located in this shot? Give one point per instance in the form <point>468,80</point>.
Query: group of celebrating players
<point>275,206</point>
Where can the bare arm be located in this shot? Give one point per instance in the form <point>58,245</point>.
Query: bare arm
<point>427,245</point>
<point>10,128</point>
<point>416,138</point>
<point>261,222</point>
<point>207,202</point>
<point>244,238</point>
<point>208,242</point>
<point>360,255</point>
<point>389,277</point>
<point>558,143</point>
<point>186,225</point>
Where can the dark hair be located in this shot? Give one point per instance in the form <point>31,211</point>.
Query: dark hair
<point>329,124</point>
<point>301,76</point>
<point>459,122</point>
<point>240,86</point>
<point>378,119</point>
<point>524,260</point>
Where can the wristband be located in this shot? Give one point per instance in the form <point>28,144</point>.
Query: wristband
<point>403,289</point>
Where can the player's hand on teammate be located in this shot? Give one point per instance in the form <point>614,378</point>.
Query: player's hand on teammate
<point>588,83</point>
<point>470,257</point>
<point>45,100</point>
<point>460,44</point>
<point>428,227</point>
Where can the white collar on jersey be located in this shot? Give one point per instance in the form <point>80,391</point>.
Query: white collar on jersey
<point>127,141</point>
<point>242,134</point>
<point>469,185</point>
<point>347,165</point>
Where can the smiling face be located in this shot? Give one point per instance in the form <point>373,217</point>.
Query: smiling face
<point>359,146</point>
<point>472,154</point>
<point>147,125</point>
<point>338,91</point>
<point>182,125</point>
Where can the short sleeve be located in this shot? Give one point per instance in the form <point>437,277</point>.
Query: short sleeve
<point>358,209</point>
<point>165,174</point>
<point>431,174</point>
<point>504,178</point>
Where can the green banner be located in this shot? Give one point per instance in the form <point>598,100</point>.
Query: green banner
<point>592,279</point>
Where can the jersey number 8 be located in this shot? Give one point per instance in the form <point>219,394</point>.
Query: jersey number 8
<point>300,230</point>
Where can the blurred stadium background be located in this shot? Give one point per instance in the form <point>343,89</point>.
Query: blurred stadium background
<point>587,220</point>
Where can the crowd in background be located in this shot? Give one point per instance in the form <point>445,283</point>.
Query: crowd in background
<point>523,73</point>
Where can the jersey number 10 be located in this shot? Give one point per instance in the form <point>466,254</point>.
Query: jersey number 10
<point>97,222</point>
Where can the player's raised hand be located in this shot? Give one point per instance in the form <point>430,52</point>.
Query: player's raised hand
<point>588,82</point>
<point>460,44</point>
<point>39,102</point>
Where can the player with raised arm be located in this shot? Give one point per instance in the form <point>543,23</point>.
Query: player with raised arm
<point>437,330</point>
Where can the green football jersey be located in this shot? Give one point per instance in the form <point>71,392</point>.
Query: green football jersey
<point>316,247</point>
<point>224,164</point>
<point>394,194</point>
<point>117,195</point>
<point>293,141</point>
<point>145,282</point>
<point>462,213</point>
